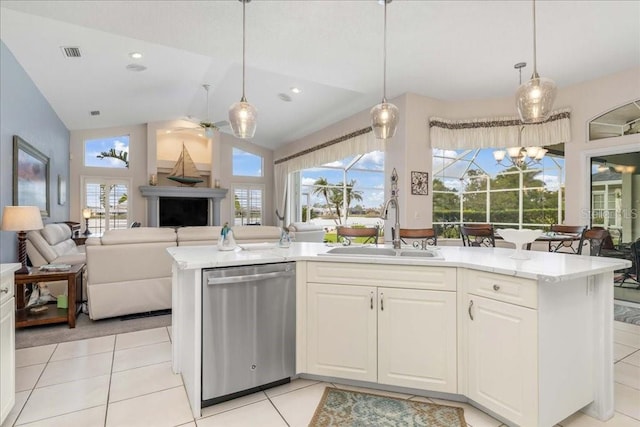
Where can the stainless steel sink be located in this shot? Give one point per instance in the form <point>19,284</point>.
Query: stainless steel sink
<point>362,250</point>
<point>422,254</point>
<point>375,251</point>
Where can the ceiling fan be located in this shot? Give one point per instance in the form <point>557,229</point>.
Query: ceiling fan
<point>206,125</point>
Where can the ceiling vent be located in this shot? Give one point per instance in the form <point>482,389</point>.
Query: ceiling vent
<point>71,52</point>
<point>95,112</point>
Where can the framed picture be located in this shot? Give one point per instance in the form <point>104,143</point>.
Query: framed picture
<point>62,190</point>
<point>419,183</point>
<point>30,176</point>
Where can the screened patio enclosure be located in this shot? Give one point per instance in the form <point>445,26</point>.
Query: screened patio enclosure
<point>469,186</point>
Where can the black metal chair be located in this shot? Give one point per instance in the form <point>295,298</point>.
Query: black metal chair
<point>632,273</point>
<point>596,238</point>
<point>478,235</point>
<point>369,233</point>
<point>420,236</point>
<point>568,246</point>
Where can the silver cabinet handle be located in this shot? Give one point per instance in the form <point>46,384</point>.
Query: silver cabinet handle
<point>496,287</point>
<point>470,305</point>
<point>4,290</point>
<point>381,301</point>
<point>371,300</point>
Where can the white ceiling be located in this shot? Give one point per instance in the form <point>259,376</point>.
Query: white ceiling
<point>449,50</point>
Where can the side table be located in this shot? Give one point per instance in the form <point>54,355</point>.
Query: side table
<point>79,240</point>
<point>53,314</point>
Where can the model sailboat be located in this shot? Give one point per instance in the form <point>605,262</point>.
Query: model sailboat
<point>185,171</point>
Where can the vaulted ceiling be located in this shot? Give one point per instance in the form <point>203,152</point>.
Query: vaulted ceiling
<point>331,50</point>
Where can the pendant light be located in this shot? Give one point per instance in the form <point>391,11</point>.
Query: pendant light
<point>534,98</point>
<point>384,116</point>
<point>243,115</point>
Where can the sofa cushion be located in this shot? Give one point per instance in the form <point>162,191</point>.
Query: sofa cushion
<point>206,234</point>
<point>256,233</point>
<point>56,233</point>
<point>137,235</point>
<point>39,250</point>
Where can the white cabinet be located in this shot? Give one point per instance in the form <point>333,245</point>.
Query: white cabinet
<point>417,339</point>
<point>7,340</point>
<point>341,335</point>
<point>386,334</point>
<point>502,371</point>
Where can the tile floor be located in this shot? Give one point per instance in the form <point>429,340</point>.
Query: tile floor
<point>126,380</point>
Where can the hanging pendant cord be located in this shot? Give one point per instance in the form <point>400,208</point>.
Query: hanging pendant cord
<point>535,68</point>
<point>244,2</point>
<point>384,56</point>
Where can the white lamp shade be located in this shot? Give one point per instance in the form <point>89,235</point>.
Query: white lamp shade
<point>384,120</point>
<point>541,153</point>
<point>499,155</point>
<point>243,118</point>
<point>86,213</point>
<point>514,152</point>
<point>534,99</point>
<point>21,218</point>
<point>532,151</point>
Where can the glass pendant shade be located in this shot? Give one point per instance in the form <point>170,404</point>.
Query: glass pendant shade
<point>208,132</point>
<point>534,99</point>
<point>498,155</point>
<point>243,118</point>
<point>384,120</point>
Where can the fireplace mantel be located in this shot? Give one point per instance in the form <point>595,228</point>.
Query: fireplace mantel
<point>153,194</point>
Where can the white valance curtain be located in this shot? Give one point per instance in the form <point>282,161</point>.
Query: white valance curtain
<point>499,132</point>
<point>358,142</point>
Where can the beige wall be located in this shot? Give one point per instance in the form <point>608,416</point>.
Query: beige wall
<point>411,147</point>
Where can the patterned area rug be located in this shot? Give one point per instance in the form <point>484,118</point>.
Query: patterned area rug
<point>345,408</point>
<point>623,313</point>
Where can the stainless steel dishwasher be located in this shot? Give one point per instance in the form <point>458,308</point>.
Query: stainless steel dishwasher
<point>248,329</point>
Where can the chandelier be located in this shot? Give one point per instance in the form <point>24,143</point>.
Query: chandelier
<point>520,156</point>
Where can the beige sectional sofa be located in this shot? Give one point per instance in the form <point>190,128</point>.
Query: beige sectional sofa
<point>53,245</point>
<point>129,271</point>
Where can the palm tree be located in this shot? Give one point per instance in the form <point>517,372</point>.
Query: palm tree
<point>322,189</point>
<point>112,153</point>
<point>351,196</point>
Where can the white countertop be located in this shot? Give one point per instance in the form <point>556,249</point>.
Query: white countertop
<point>9,268</point>
<point>543,266</point>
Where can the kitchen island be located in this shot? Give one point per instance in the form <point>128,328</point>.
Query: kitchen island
<point>529,341</point>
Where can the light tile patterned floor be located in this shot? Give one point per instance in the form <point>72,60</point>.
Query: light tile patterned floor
<point>126,381</point>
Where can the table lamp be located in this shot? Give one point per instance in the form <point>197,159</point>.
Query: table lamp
<point>21,219</point>
<point>86,214</point>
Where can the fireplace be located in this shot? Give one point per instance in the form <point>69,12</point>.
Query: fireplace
<point>182,206</point>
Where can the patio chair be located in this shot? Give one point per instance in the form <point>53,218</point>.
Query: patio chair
<point>569,246</point>
<point>423,236</point>
<point>369,233</point>
<point>596,238</point>
<point>478,235</point>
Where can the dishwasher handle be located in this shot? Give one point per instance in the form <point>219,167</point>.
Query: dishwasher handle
<point>211,281</point>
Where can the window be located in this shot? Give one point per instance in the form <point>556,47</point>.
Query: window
<point>109,203</point>
<point>248,204</point>
<point>347,191</point>
<point>246,164</point>
<point>468,187</point>
<point>110,152</point>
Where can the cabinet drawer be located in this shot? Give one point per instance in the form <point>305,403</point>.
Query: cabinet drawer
<point>514,290</point>
<point>404,276</point>
<point>7,287</point>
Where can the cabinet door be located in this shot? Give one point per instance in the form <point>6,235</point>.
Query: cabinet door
<point>341,337</point>
<point>502,358</point>
<point>417,339</point>
<point>7,357</point>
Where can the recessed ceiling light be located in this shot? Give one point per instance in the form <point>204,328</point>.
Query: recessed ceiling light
<point>136,67</point>
<point>284,97</point>
<point>135,55</point>
<point>295,89</point>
